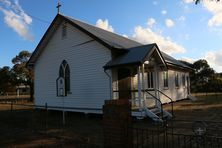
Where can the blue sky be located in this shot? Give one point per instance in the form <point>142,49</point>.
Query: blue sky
<point>179,27</point>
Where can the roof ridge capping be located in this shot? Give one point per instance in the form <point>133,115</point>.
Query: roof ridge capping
<point>118,41</point>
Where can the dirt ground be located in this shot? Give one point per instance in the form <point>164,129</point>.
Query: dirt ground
<point>27,127</point>
<point>30,128</point>
<point>208,108</point>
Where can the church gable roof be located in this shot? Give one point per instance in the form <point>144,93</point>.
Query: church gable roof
<point>109,39</point>
<point>112,39</point>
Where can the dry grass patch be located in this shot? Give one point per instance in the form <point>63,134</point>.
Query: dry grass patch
<point>204,108</point>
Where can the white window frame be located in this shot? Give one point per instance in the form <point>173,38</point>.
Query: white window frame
<point>165,79</point>
<point>183,80</point>
<point>177,80</point>
<point>150,81</point>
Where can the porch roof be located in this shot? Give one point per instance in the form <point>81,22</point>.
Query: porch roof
<point>134,56</point>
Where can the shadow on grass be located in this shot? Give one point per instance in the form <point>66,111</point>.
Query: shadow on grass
<point>40,128</point>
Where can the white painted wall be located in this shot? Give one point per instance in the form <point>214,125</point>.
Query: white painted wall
<point>89,84</point>
<point>176,93</point>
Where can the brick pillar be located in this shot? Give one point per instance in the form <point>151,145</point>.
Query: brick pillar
<point>116,121</point>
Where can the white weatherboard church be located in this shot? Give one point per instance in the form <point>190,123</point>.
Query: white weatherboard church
<point>78,66</point>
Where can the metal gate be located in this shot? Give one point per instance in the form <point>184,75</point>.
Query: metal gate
<point>177,134</point>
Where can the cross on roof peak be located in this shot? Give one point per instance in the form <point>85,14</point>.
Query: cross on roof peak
<point>58,7</point>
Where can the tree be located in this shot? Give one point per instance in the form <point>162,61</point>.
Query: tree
<point>203,75</point>
<point>7,80</point>
<point>23,74</point>
<point>202,68</point>
<point>198,1</point>
<point>204,78</point>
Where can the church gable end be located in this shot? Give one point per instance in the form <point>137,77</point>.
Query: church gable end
<point>63,28</point>
<point>85,58</point>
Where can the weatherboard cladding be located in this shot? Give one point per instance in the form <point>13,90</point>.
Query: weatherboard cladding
<point>176,93</point>
<point>85,61</point>
<point>110,40</point>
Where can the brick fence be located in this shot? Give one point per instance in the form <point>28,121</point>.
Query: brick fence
<point>116,120</point>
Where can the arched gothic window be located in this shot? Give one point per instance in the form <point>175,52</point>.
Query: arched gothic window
<point>64,72</point>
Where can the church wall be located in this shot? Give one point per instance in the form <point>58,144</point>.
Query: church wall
<point>176,93</point>
<point>86,58</point>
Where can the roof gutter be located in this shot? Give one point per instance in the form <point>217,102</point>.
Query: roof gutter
<point>121,65</point>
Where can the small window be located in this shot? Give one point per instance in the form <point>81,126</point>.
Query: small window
<point>165,79</point>
<point>176,80</point>
<point>64,72</point>
<point>183,80</point>
<point>64,31</point>
<point>150,80</point>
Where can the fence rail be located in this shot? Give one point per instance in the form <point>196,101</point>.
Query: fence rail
<point>13,96</point>
<point>22,125</point>
<point>178,134</point>
<point>43,124</point>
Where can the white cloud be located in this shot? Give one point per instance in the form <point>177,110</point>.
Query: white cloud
<point>216,9</point>
<point>168,38</point>
<point>214,59</point>
<point>188,1</point>
<point>16,18</point>
<point>155,3</point>
<point>187,36</point>
<point>216,20</point>
<point>182,18</point>
<point>164,12</point>
<point>104,25</point>
<point>5,2</point>
<point>147,36</point>
<point>169,23</point>
<point>151,22</point>
<point>126,36</point>
<point>212,6</point>
<point>189,60</point>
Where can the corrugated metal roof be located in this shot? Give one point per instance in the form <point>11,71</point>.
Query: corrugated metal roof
<point>111,39</point>
<point>171,60</point>
<point>117,41</point>
<point>135,55</point>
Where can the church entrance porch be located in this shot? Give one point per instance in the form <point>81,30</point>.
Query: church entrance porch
<point>133,82</point>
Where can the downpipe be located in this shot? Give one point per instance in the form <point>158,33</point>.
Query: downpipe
<point>110,79</point>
